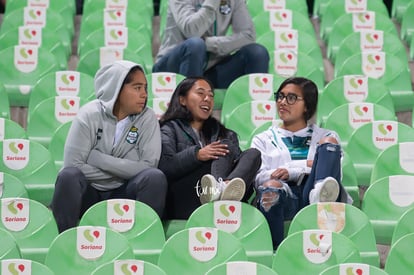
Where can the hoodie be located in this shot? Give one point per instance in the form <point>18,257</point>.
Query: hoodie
<point>90,141</point>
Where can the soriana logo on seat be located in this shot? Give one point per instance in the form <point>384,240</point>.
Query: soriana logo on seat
<point>163,84</point>
<point>355,88</point>
<point>261,86</point>
<point>120,214</point>
<point>16,153</point>
<point>67,83</point>
<point>16,267</point>
<point>317,245</point>
<point>91,241</point>
<point>353,269</point>
<point>25,58</point>
<point>384,133</point>
<point>227,215</point>
<point>66,108</point>
<point>202,243</point>
<point>128,267</point>
<point>15,213</point>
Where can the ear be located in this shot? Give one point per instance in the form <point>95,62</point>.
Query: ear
<point>182,101</point>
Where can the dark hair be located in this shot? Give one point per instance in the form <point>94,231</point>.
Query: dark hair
<point>177,111</point>
<point>128,77</point>
<point>309,91</point>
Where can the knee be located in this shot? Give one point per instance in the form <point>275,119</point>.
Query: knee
<point>195,45</point>
<point>158,180</point>
<point>328,139</point>
<point>69,175</point>
<point>257,52</point>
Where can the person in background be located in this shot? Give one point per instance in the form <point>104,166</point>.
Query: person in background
<point>211,38</point>
<point>301,162</point>
<point>200,157</point>
<point>112,148</point>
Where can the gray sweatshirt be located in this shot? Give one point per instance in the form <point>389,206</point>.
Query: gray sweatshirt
<point>90,141</point>
<point>207,19</point>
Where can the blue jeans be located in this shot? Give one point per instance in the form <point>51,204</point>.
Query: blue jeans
<point>327,163</point>
<point>190,59</point>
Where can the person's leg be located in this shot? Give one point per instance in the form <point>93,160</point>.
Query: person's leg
<point>72,197</point>
<point>150,187</point>
<point>187,58</point>
<point>252,58</point>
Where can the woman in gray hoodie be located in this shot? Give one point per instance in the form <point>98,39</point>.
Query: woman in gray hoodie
<point>112,148</point>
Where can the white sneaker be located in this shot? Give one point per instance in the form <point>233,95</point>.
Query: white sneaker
<point>234,190</point>
<point>210,189</point>
<point>326,190</point>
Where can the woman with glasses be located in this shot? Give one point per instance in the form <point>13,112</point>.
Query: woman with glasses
<point>301,162</point>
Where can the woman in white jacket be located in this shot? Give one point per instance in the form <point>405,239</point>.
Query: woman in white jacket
<point>301,162</point>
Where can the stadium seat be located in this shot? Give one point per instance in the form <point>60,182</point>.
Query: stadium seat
<point>24,266</point>
<point>31,163</point>
<point>319,7</point>
<point>385,201</point>
<point>241,267</point>
<point>243,221</point>
<point>11,129</point>
<point>144,7</point>
<point>411,49</point>
<point>257,6</point>
<point>31,223</point>
<point>4,103</point>
<point>80,250</point>
<point>198,249</point>
<point>342,218</point>
<point>401,155</point>
<point>353,268</point>
<point>399,8</point>
<point>11,187</point>
<point>370,139</point>
<point>128,267</point>
<point>394,73</point>
<point>138,222</point>
<point>399,256</point>
<point>9,248</point>
<point>312,251</point>
<point>352,88</point>
<point>407,24</point>
<point>350,116</point>
<point>404,225</point>
<point>57,144</point>
<point>349,179</point>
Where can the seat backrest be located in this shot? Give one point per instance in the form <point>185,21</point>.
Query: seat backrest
<point>128,267</point>
<point>31,223</point>
<point>370,139</point>
<point>398,9</point>
<point>312,251</point>
<point>57,144</point>
<point>243,221</point>
<point>402,155</point>
<point>407,24</point>
<point>11,187</point>
<point>404,225</point>
<point>18,266</point>
<point>352,88</point>
<point>32,163</point>
<point>4,102</point>
<point>342,218</point>
<point>241,267</point>
<point>9,249</point>
<point>349,179</point>
<point>11,129</point>
<point>258,6</point>
<point>384,203</point>
<point>398,259</point>
<point>196,250</point>
<point>138,222</point>
<point>353,268</point>
<point>80,250</point>
<point>144,8</point>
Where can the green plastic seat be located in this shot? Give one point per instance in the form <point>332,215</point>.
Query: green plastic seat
<point>353,268</point>
<point>196,250</point>
<point>319,7</point>
<point>350,116</point>
<point>342,218</point>
<point>144,7</point>
<point>255,7</point>
<point>93,60</point>
<point>11,187</point>
<point>360,89</point>
<point>401,164</point>
<point>30,162</point>
<point>162,84</point>
<point>252,228</point>
<point>35,234</point>
<point>18,81</point>
<point>312,251</point>
<point>144,232</point>
<point>24,265</point>
<point>130,266</point>
<point>80,250</point>
<point>349,179</point>
<point>4,103</point>
<point>399,257</point>
<point>385,201</point>
<point>395,75</point>
<point>407,24</point>
<point>398,9</point>
<point>11,129</point>
<point>404,225</point>
<point>9,248</point>
<point>57,144</point>
<point>369,140</point>
<point>411,49</point>
<point>391,45</point>
<point>241,267</point>
<point>65,83</point>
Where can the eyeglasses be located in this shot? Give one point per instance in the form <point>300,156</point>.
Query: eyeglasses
<point>290,98</point>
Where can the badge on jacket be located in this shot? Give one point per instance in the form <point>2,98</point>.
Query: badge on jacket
<point>225,7</point>
<point>132,135</point>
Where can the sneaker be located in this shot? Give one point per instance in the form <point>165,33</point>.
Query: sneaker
<point>326,190</point>
<point>210,189</point>
<point>234,190</point>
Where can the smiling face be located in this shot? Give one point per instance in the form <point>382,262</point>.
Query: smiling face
<point>292,115</point>
<point>199,101</point>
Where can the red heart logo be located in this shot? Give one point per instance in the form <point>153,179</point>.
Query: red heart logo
<point>208,235</point>
<point>389,128</point>
<point>367,16</point>
<point>20,267</point>
<point>126,207</point>
<point>20,206</point>
<point>360,81</point>
<point>72,78</point>
<point>375,36</point>
<point>321,236</point>
<point>96,234</point>
<point>20,146</point>
<point>377,57</point>
<point>365,109</point>
<point>289,56</point>
<point>120,33</point>
<point>38,13</point>
<point>232,208</point>
<point>284,15</point>
<point>72,102</point>
<point>134,268</point>
<point>33,32</point>
<point>30,52</point>
<point>265,80</point>
<point>290,36</point>
<point>118,13</point>
<point>268,107</point>
<point>359,271</point>
<point>168,78</point>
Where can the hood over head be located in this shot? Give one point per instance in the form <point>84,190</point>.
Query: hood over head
<point>109,80</point>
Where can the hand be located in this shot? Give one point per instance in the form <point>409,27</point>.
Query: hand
<point>280,173</point>
<point>212,151</point>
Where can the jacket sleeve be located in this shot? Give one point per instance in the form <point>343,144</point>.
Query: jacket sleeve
<point>267,166</point>
<point>176,164</point>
